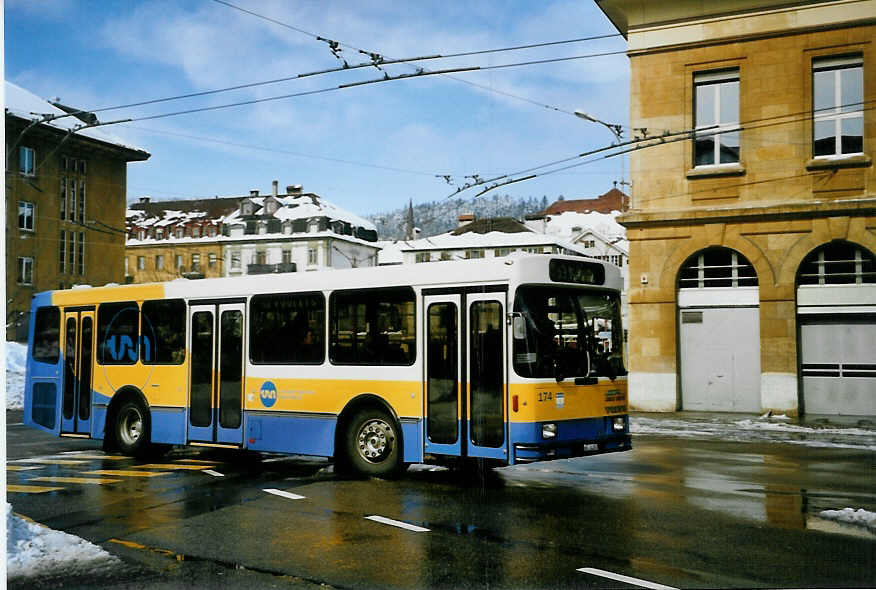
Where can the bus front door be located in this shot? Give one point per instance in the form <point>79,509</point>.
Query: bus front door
<point>465,377</point>
<point>78,350</point>
<point>216,373</point>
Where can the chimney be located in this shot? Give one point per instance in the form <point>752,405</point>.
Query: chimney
<point>465,219</point>
<point>293,189</point>
<point>254,193</point>
<point>144,200</point>
<point>275,184</point>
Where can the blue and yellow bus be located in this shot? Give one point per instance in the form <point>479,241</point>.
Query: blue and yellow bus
<point>510,360</point>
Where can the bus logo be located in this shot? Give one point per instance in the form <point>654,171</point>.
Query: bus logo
<point>268,394</point>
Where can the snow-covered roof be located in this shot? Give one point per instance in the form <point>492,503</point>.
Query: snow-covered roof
<point>306,206</point>
<point>570,223</point>
<point>27,105</point>
<point>390,253</point>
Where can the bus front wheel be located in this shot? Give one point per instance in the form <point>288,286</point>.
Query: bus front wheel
<point>373,444</point>
<point>132,428</point>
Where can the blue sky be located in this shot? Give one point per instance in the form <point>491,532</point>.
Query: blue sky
<point>369,148</point>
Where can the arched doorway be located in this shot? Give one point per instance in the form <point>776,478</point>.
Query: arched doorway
<point>719,332</point>
<point>836,315</point>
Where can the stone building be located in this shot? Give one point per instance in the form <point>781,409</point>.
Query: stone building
<point>65,202</point>
<point>751,242</point>
<point>234,236</point>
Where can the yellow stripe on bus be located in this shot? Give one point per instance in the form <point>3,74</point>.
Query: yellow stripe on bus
<point>22,467</point>
<point>174,466</point>
<point>22,489</point>
<point>86,480</point>
<point>69,297</point>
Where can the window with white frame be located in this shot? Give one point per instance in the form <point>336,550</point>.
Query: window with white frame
<point>63,198</point>
<point>474,254</point>
<point>27,161</point>
<point>62,253</point>
<point>81,264</point>
<point>716,118</point>
<point>178,261</point>
<point>287,256</point>
<point>25,270</point>
<point>82,199</point>
<point>235,260</point>
<point>423,257</point>
<point>159,262</point>
<point>196,262</point>
<point>838,107</point>
<point>71,251</point>
<point>312,256</point>
<point>141,263</point>
<point>25,215</point>
<point>211,260</point>
<point>501,252</point>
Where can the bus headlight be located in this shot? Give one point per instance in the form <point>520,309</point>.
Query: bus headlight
<point>618,423</point>
<point>548,430</point>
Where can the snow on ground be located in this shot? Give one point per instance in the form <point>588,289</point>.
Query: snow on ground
<point>763,429</point>
<point>16,356</point>
<point>32,549</point>
<point>859,517</point>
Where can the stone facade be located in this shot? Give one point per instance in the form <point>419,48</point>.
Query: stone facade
<point>774,206</point>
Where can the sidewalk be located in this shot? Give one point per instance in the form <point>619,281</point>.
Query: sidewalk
<point>854,432</point>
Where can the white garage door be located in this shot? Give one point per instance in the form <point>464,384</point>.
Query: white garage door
<point>838,365</point>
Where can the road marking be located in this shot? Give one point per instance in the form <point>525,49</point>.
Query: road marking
<point>30,489</point>
<point>16,424</point>
<point>213,473</point>
<point>289,495</point>
<point>81,455</point>
<point>201,461</point>
<point>127,472</point>
<point>173,466</point>
<point>625,579</point>
<point>91,480</point>
<point>399,524</point>
<point>22,467</point>
<point>275,459</point>
<point>50,461</point>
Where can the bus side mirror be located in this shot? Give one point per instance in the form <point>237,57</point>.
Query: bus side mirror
<point>518,325</point>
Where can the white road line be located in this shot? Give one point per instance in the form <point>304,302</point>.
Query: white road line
<point>275,459</point>
<point>625,579</point>
<point>213,473</point>
<point>399,524</point>
<point>289,495</point>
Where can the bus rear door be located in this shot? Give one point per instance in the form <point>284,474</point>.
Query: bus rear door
<point>78,350</point>
<point>215,406</point>
<point>465,364</point>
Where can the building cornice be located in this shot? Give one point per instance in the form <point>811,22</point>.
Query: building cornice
<point>638,219</point>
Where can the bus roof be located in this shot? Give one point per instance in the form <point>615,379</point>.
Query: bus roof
<point>520,268</point>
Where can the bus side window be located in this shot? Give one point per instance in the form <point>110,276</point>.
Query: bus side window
<point>373,327</point>
<point>47,335</point>
<point>163,332</point>
<point>118,333</point>
<point>287,328</point>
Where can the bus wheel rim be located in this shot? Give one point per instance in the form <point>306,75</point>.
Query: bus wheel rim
<point>375,440</point>
<point>131,426</point>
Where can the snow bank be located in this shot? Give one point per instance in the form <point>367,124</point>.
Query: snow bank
<point>859,517</point>
<point>32,549</point>
<point>16,358</point>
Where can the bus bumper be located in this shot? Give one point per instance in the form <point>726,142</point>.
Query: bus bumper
<point>573,438</point>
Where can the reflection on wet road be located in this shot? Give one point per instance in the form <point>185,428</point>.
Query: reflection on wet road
<point>671,513</point>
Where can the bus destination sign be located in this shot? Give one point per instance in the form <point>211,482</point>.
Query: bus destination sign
<point>577,271</point>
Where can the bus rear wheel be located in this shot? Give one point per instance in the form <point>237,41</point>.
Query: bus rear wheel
<point>132,429</point>
<point>373,444</point>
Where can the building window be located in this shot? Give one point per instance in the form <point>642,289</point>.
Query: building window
<point>211,260</point>
<point>159,262</point>
<point>287,256</point>
<point>838,263</point>
<point>62,253</point>
<point>502,252</point>
<point>25,215</point>
<point>838,109</point>
<point>235,261</point>
<point>63,198</point>
<point>81,269</point>
<point>25,270</point>
<point>446,256</point>
<point>141,263</point>
<point>716,108</point>
<point>178,263</point>
<point>26,159</point>
<point>196,262</point>
<point>179,232</point>
<point>312,256</point>
<point>717,267</point>
<point>211,231</point>
<point>71,251</point>
<point>127,267</point>
<point>159,234</point>
<point>474,254</point>
<point>423,257</point>
<point>196,232</point>
<point>82,199</point>
<point>261,257</point>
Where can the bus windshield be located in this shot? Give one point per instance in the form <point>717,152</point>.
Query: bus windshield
<point>564,332</point>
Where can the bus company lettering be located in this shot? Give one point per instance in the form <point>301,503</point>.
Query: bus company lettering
<point>614,395</point>
<point>615,409</point>
<point>268,394</point>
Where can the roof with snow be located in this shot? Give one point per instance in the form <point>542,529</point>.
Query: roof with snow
<point>26,105</point>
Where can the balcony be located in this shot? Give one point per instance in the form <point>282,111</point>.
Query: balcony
<point>264,269</point>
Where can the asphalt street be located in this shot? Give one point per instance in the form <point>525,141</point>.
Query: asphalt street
<point>674,512</point>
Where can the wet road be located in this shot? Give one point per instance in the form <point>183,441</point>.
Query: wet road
<point>673,512</point>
